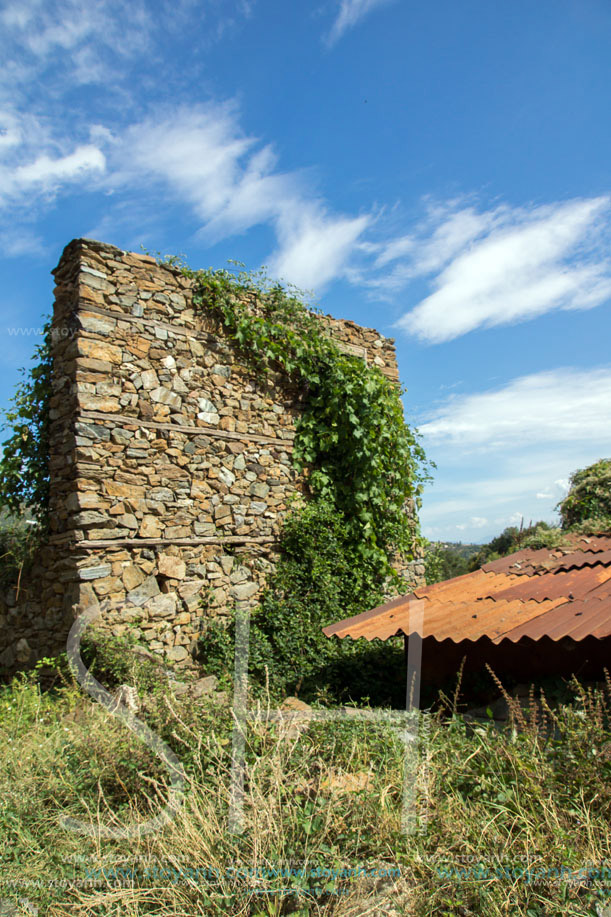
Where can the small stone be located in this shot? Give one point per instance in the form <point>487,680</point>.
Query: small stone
<point>107,585</point>
<point>162,494</point>
<point>163,395</point>
<point>162,605</point>
<point>204,686</point>
<point>177,654</point>
<point>150,528</point>
<point>89,518</point>
<point>22,650</point>
<point>89,573</point>
<point>96,325</point>
<point>212,419</point>
<point>132,577</point>
<point>93,403</point>
<point>99,350</point>
<point>245,591</point>
<point>145,591</point>
<point>206,405</point>
<point>227,477</point>
<point>80,500</point>
<point>259,489</point>
<point>171,566</point>
<point>118,489</point>
<point>121,437</point>
<point>149,379</point>
<point>293,703</point>
<point>240,575</point>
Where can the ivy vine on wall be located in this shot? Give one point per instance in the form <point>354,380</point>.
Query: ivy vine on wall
<point>363,464</point>
<point>352,440</point>
<point>364,467</point>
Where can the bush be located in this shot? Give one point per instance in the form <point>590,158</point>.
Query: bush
<point>321,577</point>
<point>589,497</point>
<point>18,543</point>
<point>445,561</point>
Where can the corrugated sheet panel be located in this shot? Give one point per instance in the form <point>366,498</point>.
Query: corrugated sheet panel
<point>553,593</point>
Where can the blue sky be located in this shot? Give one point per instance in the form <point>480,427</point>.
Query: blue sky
<point>438,170</point>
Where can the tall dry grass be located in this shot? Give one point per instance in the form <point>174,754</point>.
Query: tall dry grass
<point>515,820</point>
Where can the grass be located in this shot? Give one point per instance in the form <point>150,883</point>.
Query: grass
<point>513,818</point>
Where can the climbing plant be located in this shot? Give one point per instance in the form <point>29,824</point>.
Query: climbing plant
<point>364,468</point>
<point>351,439</point>
<point>24,464</point>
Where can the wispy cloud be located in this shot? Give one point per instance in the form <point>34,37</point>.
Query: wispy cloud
<point>315,245</point>
<point>82,42</point>
<point>349,14</point>
<point>48,172</point>
<point>77,38</point>
<point>233,183</point>
<point>562,405</point>
<point>501,266</point>
<point>33,163</point>
<point>510,451</point>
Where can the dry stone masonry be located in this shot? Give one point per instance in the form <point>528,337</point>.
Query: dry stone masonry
<point>171,463</point>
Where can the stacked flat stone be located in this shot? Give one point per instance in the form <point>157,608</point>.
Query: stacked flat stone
<point>171,468</point>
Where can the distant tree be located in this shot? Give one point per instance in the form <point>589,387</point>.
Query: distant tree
<point>446,560</point>
<point>589,497</point>
<point>535,535</point>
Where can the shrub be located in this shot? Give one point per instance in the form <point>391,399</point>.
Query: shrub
<point>589,497</point>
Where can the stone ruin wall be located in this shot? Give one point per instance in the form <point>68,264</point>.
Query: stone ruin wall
<point>170,463</point>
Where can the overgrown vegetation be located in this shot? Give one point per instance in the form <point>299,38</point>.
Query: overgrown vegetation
<point>19,539</point>
<point>516,821</point>
<point>360,455</point>
<point>24,467</point>
<point>24,463</point>
<point>363,463</point>
<point>588,502</point>
<point>320,578</point>
<point>365,468</point>
<point>445,560</point>
<point>535,535</point>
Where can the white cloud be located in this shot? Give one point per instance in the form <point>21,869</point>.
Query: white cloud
<point>561,405</point>
<point>350,13</point>
<point>75,36</point>
<point>452,235</point>
<point>508,453</point>
<point>503,266</point>
<point>83,42</point>
<point>45,173</point>
<point>48,172</point>
<point>315,246</point>
<point>233,183</point>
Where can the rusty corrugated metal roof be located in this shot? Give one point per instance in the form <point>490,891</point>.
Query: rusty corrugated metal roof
<point>563,592</point>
